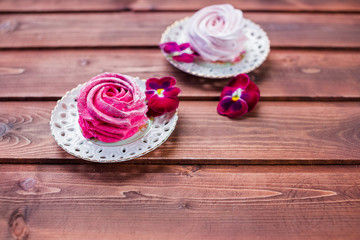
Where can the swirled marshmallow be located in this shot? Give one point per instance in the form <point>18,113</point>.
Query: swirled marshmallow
<point>216,33</point>
<point>111,107</point>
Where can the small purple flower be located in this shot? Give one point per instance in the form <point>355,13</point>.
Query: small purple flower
<point>177,52</point>
<point>185,57</point>
<point>171,47</point>
<point>161,95</point>
<point>238,97</point>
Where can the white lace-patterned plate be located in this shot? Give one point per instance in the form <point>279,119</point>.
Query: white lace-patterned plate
<point>67,133</point>
<point>257,48</point>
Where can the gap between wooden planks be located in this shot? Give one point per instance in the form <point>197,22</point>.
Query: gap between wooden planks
<point>274,133</point>
<point>177,5</point>
<point>130,201</point>
<point>145,29</point>
<point>286,75</point>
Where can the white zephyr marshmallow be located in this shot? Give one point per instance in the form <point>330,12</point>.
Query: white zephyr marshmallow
<point>216,33</point>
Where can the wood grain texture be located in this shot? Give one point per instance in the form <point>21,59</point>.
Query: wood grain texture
<point>179,202</point>
<point>287,74</point>
<point>275,132</point>
<point>177,5</point>
<point>145,29</point>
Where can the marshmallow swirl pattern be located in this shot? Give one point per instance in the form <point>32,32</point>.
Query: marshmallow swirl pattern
<point>111,107</point>
<point>216,33</point>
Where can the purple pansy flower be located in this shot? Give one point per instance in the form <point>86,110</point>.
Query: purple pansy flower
<point>161,95</point>
<point>238,97</point>
<point>184,57</point>
<point>178,51</point>
<point>171,47</point>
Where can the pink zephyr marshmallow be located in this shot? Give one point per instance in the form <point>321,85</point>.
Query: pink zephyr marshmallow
<point>111,107</point>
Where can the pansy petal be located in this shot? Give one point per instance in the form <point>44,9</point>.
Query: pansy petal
<point>171,92</point>
<point>251,98</point>
<point>184,46</point>
<point>238,108</point>
<point>232,108</point>
<point>224,105</point>
<point>163,104</point>
<point>170,47</point>
<point>185,57</point>
<point>166,82</point>
<point>240,81</point>
<point>152,83</point>
<point>149,94</point>
<point>252,87</point>
<point>227,91</point>
<point>162,83</point>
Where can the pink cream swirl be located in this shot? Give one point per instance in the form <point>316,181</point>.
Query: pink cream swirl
<point>216,33</point>
<point>111,107</point>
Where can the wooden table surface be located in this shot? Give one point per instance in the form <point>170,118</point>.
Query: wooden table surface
<point>288,170</point>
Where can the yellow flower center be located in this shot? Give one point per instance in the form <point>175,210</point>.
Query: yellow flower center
<point>236,95</point>
<point>235,98</point>
<point>160,91</point>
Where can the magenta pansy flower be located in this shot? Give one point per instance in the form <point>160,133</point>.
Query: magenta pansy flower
<point>184,57</point>
<point>161,95</point>
<point>180,53</point>
<point>171,47</point>
<point>238,97</point>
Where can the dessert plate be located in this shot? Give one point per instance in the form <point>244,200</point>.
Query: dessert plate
<point>67,133</point>
<point>257,48</point>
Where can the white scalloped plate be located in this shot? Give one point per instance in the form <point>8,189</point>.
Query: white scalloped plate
<point>257,48</point>
<point>67,133</point>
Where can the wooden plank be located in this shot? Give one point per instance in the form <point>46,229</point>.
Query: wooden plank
<point>177,5</point>
<point>287,74</point>
<point>179,202</point>
<point>144,29</point>
<point>276,132</point>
